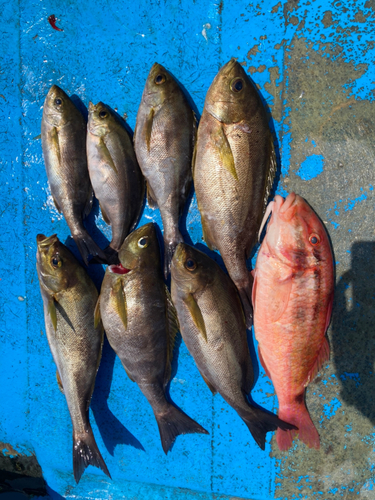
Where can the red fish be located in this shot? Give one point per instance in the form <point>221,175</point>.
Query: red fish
<point>292,298</point>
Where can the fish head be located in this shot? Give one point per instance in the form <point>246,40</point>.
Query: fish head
<point>160,86</point>
<point>56,265</point>
<point>232,96</point>
<point>57,107</point>
<point>101,119</point>
<point>140,249</point>
<point>191,269</point>
<point>295,234</point>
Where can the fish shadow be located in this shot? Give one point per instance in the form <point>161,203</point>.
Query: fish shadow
<point>111,429</point>
<point>353,330</point>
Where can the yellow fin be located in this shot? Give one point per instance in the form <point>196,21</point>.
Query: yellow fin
<point>59,382</point>
<point>172,329</point>
<point>272,168</point>
<point>225,152</point>
<point>210,386</point>
<point>148,127</point>
<point>151,198</point>
<point>195,133</point>
<point>206,238</point>
<point>52,312</point>
<point>97,317</point>
<point>104,215</point>
<point>55,143</point>
<point>107,155</point>
<point>120,299</point>
<point>196,315</point>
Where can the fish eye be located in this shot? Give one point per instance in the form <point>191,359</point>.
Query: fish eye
<point>56,261</point>
<point>190,265</point>
<point>160,79</point>
<point>237,85</point>
<point>314,239</point>
<point>143,242</point>
<point>58,101</point>
<point>103,114</point>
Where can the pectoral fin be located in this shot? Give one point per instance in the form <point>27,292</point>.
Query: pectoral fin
<point>225,152</point>
<point>52,312</point>
<point>55,143</point>
<point>196,314</point>
<point>107,158</point>
<point>148,128</point>
<point>120,300</point>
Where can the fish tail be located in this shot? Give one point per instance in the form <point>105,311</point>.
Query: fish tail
<point>307,433</point>
<point>170,246</point>
<point>111,255</point>
<point>245,291</point>
<point>86,452</point>
<point>259,422</point>
<point>174,422</point>
<point>87,246</point>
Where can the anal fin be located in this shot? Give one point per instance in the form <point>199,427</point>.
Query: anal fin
<point>151,198</point>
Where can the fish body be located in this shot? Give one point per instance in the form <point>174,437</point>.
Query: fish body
<point>164,143</point>
<point>140,323</point>
<point>64,151</point>
<point>234,169</point>
<point>214,331</point>
<point>69,299</point>
<point>114,172</point>
<point>292,297</point>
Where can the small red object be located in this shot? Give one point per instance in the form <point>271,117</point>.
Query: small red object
<point>52,21</point>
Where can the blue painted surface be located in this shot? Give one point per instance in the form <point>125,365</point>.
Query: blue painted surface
<point>105,53</point>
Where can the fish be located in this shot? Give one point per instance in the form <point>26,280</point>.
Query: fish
<point>141,324</point>
<point>293,295</point>
<point>213,328</point>
<point>69,299</point>
<point>114,172</point>
<point>233,170</point>
<point>164,141</point>
<point>64,151</point>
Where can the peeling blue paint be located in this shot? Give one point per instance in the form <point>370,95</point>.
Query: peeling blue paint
<point>331,408</point>
<point>311,167</point>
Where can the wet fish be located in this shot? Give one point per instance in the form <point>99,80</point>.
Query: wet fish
<point>293,296</point>
<point>141,323</point>
<point>114,172</point>
<point>69,298</point>
<point>64,151</point>
<point>213,328</point>
<point>164,142</point>
<point>233,171</point>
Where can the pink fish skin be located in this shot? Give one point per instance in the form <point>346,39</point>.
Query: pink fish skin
<point>292,298</point>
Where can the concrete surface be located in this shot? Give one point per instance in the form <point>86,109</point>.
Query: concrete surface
<point>314,63</point>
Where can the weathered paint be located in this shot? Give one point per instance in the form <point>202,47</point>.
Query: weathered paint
<point>314,63</point>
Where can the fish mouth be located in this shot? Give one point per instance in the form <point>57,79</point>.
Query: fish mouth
<point>118,269</point>
<point>287,203</point>
<point>278,205</point>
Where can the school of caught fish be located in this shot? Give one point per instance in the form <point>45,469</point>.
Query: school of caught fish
<point>231,157</point>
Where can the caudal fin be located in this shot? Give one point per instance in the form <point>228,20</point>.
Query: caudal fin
<point>86,452</point>
<point>169,249</point>
<point>307,433</point>
<point>173,423</point>
<point>87,246</point>
<point>259,422</point>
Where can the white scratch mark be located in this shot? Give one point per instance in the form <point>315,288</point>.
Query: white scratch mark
<point>206,26</point>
